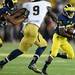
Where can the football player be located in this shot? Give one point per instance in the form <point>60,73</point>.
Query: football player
<point>47,32</point>
<point>4,8</point>
<point>67,19</point>
<point>35,12</point>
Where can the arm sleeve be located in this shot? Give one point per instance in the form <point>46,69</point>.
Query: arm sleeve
<point>4,10</point>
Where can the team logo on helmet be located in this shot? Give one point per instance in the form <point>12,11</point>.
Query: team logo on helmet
<point>69,10</point>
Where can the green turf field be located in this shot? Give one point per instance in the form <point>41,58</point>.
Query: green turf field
<point>19,66</point>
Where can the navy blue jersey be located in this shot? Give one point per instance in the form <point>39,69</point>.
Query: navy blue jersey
<point>65,20</point>
<point>4,10</point>
<point>7,7</point>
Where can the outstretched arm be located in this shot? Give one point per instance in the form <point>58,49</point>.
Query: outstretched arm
<point>17,17</point>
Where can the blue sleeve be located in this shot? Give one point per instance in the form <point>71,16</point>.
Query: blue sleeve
<point>74,20</point>
<point>60,17</point>
<point>3,10</point>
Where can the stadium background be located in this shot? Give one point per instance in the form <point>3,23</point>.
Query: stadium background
<point>11,36</point>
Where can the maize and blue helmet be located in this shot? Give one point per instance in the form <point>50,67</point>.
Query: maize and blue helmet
<point>69,10</point>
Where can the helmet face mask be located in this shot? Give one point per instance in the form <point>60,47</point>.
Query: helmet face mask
<point>70,14</point>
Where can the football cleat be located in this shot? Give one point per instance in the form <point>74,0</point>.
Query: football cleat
<point>33,68</point>
<point>44,73</point>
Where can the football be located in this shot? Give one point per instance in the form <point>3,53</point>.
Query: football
<point>71,31</point>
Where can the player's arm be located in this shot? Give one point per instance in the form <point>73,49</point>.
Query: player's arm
<point>17,17</point>
<point>21,12</point>
<point>18,13</point>
<point>62,31</point>
<point>52,15</point>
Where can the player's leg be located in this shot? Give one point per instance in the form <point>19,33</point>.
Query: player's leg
<point>68,49</point>
<point>54,50</point>
<point>42,44</point>
<point>62,54</point>
<point>30,36</point>
<point>25,43</point>
<point>15,53</point>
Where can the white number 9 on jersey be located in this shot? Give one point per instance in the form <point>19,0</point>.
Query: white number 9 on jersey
<point>36,10</point>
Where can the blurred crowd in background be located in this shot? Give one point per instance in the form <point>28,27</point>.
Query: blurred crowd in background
<point>13,33</point>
